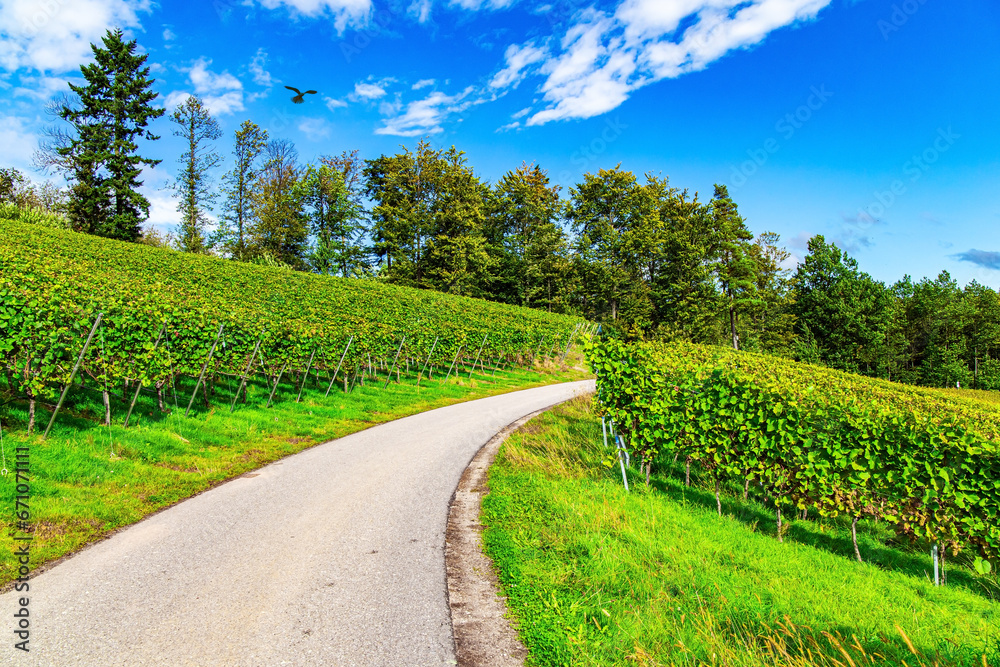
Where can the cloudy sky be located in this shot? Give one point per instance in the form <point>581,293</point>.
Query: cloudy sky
<point>873,122</point>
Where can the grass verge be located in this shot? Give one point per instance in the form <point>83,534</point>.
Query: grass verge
<point>598,576</point>
<point>87,480</point>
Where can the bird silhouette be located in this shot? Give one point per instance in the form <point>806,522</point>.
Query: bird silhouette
<point>298,94</point>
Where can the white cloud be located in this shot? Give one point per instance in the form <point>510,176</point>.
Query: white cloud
<point>162,209</point>
<point>206,81</point>
<point>518,58</point>
<point>425,116</point>
<point>175,99</point>
<point>314,128</point>
<point>332,104</point>
<point>260,75</point>
<point>55,36</point>
<point>368,91</point>
<point>343,12</point>
<point>604,58</point>
<point>800,241</point>
<point>420,10</point>
<point>19,142</point>
<point>423,83</point>
<point>476,5</point>
<point>221,93</point>
<point>43,88</point>
<point>168,35</point>
<point>224,104</point>
<point>791,262</point>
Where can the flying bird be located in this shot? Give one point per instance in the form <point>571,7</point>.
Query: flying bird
<point>298,94</point>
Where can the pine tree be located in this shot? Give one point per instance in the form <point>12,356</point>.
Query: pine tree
<point>237,214</point>
<point>192,185</point>
<point>114,110</point>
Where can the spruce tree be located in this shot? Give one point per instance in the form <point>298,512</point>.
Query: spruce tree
<point>115,106</point>
<point>192,185</point>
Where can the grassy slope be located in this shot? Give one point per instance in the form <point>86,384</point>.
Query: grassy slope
<point>88,480</point>
<point>596,576</point>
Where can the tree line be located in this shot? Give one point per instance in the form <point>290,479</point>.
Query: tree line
<point>642,257</point>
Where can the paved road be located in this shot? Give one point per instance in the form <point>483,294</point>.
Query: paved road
<point>333,556</point>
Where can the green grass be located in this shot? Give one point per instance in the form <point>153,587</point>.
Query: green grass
<point>598,576</point>
<point>88,480</point>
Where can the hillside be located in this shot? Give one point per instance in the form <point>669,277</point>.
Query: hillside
<point>54,283</point>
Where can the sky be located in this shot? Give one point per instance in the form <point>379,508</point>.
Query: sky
<point>872,122</point>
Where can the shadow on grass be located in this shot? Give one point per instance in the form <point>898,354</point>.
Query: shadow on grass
<point>877,544</point>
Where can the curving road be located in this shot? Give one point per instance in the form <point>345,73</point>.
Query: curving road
<point>333,556</point>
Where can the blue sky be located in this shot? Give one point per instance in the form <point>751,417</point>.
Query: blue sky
<point>873,122</point>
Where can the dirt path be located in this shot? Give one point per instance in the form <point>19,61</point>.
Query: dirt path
<point>333,556</point>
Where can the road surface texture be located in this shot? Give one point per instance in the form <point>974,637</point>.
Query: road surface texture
<point>333,556</point>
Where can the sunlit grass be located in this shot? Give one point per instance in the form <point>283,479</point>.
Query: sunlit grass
<point>88,479</point>
<point>598,576</point>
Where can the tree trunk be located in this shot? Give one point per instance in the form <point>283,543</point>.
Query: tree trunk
<point>159,395</point>
<point>746,488</point>
<point>854,539</point>
<point>649,465</point>
<point>687,472</point>
<point>779,525</point>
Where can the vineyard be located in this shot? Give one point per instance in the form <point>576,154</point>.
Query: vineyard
<point>134,316</point>
<point>811,439</point>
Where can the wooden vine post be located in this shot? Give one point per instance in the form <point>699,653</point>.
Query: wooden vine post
<point>204,367</point>
<point>138,388</point>
<point>339,364</point>
<point>246,371</point>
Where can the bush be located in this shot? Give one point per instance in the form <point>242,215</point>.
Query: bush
<point>33,215</point>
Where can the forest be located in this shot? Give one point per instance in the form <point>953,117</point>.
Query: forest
<point>645,259</point>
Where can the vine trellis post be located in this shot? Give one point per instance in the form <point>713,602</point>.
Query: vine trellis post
<point>138,388</point>
<point>76,367</point>
<point>204,367</point>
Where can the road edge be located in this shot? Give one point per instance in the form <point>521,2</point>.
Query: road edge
<point>481,628</point>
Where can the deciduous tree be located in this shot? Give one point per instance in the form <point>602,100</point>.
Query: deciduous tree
<point>237,213</point>
<point>193,185</point>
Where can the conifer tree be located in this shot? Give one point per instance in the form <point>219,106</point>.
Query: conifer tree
<point>115,107</point>
<point>197,127</point>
